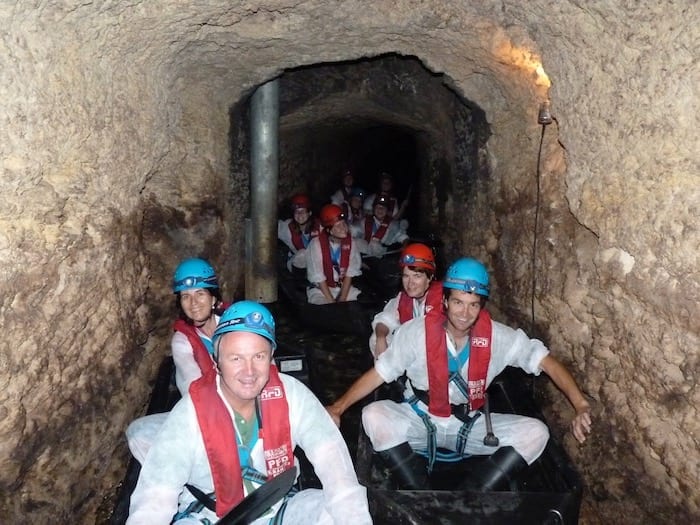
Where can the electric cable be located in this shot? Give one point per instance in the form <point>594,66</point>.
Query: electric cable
<point>534,236</point>
<point>534,248</point>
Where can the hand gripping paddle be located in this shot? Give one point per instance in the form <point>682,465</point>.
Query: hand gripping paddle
<point>257,502</point>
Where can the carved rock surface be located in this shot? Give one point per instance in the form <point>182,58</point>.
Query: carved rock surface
<point>123,149</point>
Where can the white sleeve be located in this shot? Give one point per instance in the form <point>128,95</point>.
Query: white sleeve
<point>394,234</point>
<point>367,204</point>
<point>511,347</point>
<point>176,457</point>
<point>406,352</point>
<point>284,235</point>
<point>314,262</point>
<point>345,500</point>
<point>355,263</point>
<point>389,316</point>
<point>186,368</point>
<point>337,197</point>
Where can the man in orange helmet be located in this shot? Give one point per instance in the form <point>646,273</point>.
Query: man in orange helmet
<point>333,259</point>
<point>420,294</point>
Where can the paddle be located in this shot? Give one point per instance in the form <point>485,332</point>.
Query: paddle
<point>257,502</point>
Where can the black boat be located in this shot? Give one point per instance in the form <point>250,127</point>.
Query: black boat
<point>316,353</point>
<point>548,492</point>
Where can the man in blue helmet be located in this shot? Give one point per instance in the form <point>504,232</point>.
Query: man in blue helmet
<point>238,428</point>
<point>199,305</point>
<point>450,358</point>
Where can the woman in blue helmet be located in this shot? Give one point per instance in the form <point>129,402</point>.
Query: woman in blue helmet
<point>198,302</point>
<point>450,358</point>
<point>237,429</point>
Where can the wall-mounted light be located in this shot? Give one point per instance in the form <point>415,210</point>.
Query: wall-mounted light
<point>544,117</point>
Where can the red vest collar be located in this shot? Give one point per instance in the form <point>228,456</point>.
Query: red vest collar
<point>345,246</point>
<point>220,441</point>
<point>479,357</point>
<point>369,225</point>
<point>433,301</point>
<point>199,351</point>
<point>296,233</point>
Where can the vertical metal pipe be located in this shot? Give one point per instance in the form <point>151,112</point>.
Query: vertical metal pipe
<point>261,275</point>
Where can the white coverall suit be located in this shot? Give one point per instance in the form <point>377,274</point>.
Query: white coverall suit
<point>315,274</point>
<point>297,257</point>
<point>141,432</point>
<point>389,317</point>
<point>395,233</point>
<point>389,424</point>
<point>178,457</point>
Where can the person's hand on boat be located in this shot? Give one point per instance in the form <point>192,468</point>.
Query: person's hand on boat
<point>581,425</point>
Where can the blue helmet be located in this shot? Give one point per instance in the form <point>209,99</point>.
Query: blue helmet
<point>247,316</point>
<point>468,275</point>
<point>194,273</point>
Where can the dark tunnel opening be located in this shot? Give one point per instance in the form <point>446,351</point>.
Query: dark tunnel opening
<point>385,114</point>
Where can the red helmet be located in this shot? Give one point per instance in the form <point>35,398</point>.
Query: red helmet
<point>419,256</point>
<point>330,214</point>
<point>301,200</point>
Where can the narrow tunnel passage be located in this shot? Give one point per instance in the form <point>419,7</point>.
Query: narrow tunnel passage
<point>388,114</point>
<point>121,153</point>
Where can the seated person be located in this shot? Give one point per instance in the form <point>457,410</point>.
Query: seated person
<point>395,209</point>
<point>198,301</point>
<point>450,358</point>
<point>342,194</point>
<point>333,259</point>
<point>420,294</point>
<point>298,231</point>
<point>380,231</point>
<point>354,211</point>
<point>213,440</point>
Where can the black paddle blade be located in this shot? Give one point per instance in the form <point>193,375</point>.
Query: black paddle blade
<point>257,502</point>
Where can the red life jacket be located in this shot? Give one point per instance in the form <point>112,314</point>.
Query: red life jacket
<point>345,246</point>
<point>199,351</point>
<point>220,441</point>
<point>296,233</point>
<point>436,349</point>
<point>379,234</point>
<point>433,301</point>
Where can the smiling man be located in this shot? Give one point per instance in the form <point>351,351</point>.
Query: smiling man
<point>450,359</point>
<point>420,294</point>
<point>236,430</point>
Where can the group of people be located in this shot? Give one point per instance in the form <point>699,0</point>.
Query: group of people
<point>237,424</point>
<point>329,249</point>
<point>239,420</point>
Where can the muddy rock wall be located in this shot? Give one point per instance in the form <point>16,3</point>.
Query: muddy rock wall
<point>116,160</point>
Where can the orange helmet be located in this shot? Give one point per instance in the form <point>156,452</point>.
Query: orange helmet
<point>330,214</point>
<point>301,200</point>
<point>419,256</point>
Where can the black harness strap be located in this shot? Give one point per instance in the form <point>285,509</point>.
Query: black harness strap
<point>204,499</point>
<point>461,412</point>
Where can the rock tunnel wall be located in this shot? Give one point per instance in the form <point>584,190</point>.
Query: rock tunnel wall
<point>116,155</point>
